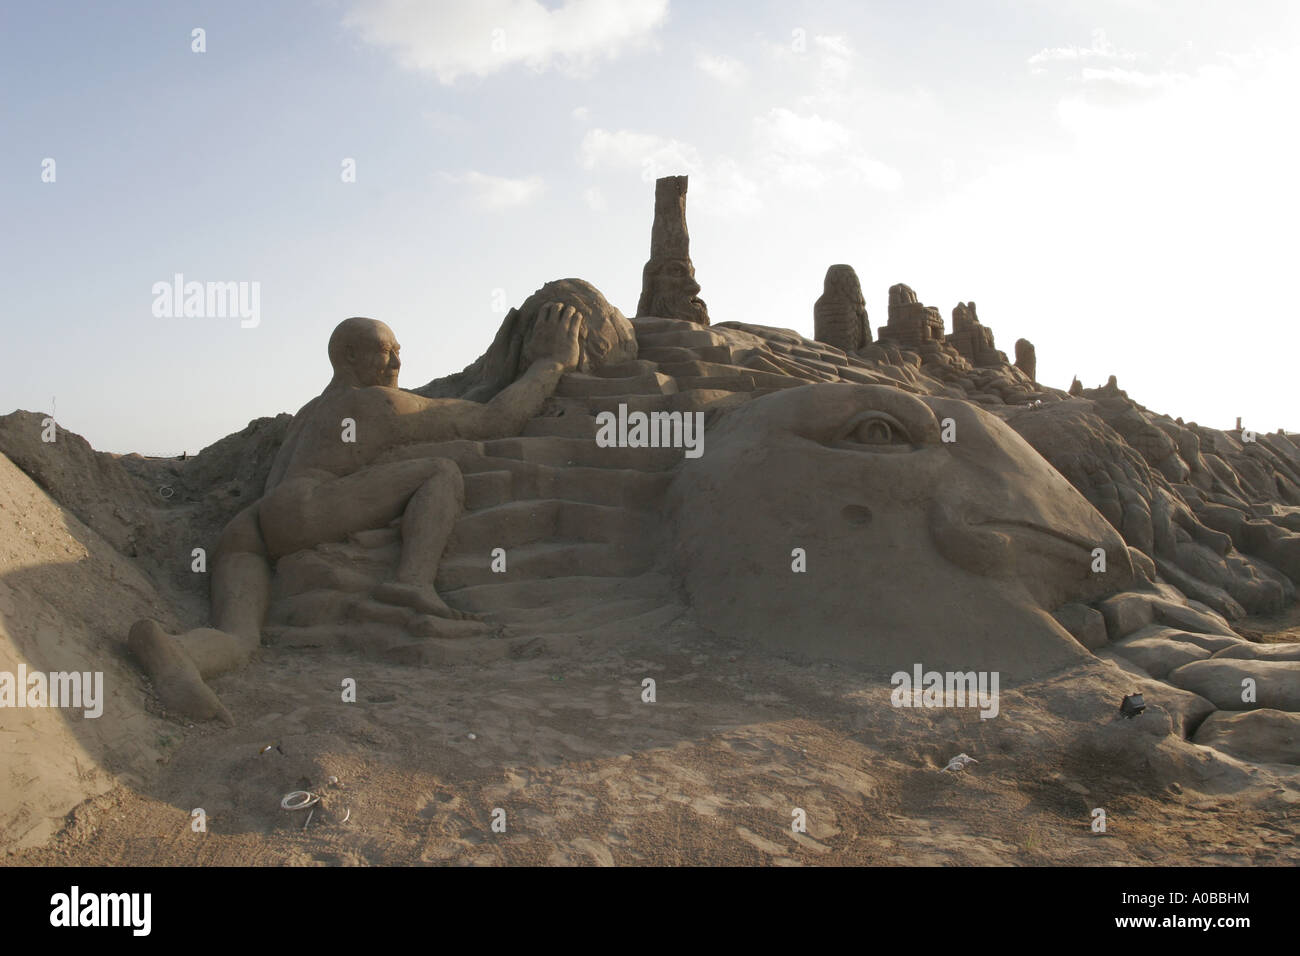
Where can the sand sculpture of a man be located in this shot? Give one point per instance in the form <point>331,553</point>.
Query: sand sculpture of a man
<point>324,484</point>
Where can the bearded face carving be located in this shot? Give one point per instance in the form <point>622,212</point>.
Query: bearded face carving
<point>669,291</point>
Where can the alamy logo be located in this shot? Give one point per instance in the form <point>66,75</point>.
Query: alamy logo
<point>102,909</point>
<point>651,430</point>
<point>208,300</point>
<point>953,689</point>
<point>55,689</point>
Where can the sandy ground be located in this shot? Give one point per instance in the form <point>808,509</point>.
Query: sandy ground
<point>710,773</point>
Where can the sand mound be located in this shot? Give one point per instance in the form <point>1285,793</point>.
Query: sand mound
<point>64,592</point>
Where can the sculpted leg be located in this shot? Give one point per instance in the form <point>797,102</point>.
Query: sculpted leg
<point>241,587</point>
<point>427,493</point>
<point>426,525</point>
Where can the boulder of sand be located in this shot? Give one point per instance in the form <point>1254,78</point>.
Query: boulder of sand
<point>1157,651</point>
<point>1131,611</point>
<point>1263,736</point>
<point>1224,682</point>
<point>1185,709</point>
<point>1261,652</point>
<point>1085,624</point>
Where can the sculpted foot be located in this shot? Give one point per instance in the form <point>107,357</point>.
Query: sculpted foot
<point>422,598</point>
<point>179,685</point>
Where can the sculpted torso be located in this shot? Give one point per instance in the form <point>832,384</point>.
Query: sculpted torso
<point>314,444</point>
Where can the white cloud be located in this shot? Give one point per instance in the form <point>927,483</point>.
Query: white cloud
<point>834,61</point>
<point>499,192</point>
<point>594,199</point>
<point>581,114</point>
<point>789,134</point>
<point>1101,48</point>
<point>654,155</point>
<point>809,152</point>
<point>454,38</point>
<point>1133,79</point>
<point>725,187</point>
<point>829,60</point>
<point>873,173</point>
<point>724,69</point>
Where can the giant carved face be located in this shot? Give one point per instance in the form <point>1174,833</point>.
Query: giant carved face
<point>917,549</point>
<point>674,291</point>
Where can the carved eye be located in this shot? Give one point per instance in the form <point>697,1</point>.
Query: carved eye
<point>874,431</point>
<point>878,431</point>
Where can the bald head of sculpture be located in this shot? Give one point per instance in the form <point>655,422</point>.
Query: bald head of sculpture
<point>364,352</point>
<point>915,548</point>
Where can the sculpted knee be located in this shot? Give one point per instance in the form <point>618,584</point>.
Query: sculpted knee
<point>447,474</point>
<point>283,523</point>
<point>243,534</point>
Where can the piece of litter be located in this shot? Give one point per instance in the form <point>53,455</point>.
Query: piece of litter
<point>334,781</point>
<point>1132,706</point>
<point>959,762</point>
<point>472,736</point>
<point>298,800</point>
<point>309,816</point>
<point>346,816</point>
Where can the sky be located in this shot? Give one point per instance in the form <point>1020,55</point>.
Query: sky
<point>1115,180</point>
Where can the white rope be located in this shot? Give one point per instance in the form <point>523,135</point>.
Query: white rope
<point>298,800</point>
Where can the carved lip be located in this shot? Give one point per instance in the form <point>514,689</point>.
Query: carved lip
<point>1041,529</point>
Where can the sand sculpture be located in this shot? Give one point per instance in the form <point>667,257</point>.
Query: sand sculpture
<point>668,286</point>
<point>840,314</point>
<point>912,324</point>
<point>973,340</point>
<point>606,338</point>
<point>948,552</point>
<point>1026,358</point>
<point>326,483</point>
<point>946,511</point>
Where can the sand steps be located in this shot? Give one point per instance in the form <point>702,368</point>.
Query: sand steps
<point>526,594</point>
<point>696,337</point>
<point>515,523</point>
<point>549,559</point>
<point>598,486</point>
<point>573,385</point>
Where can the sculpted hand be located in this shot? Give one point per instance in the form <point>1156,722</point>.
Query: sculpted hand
<point>556,336</point>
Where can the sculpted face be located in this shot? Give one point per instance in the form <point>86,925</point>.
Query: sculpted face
<point>365,352</point>
<point>676,293</point>
<point>917,549</point>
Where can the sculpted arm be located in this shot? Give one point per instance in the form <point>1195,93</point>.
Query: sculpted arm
<point>552,349</point>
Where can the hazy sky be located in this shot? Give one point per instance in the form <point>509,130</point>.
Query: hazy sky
<point>1115,181</point>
